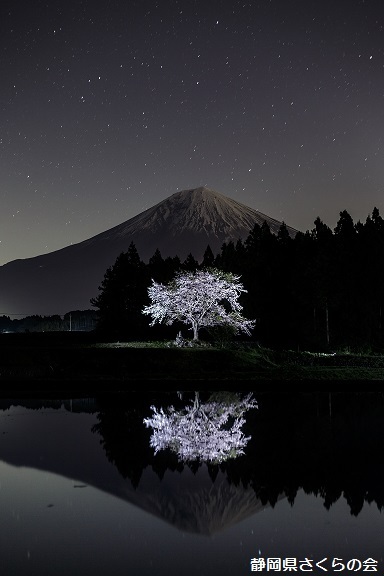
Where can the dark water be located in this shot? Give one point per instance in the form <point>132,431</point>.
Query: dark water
<point>81,491</point>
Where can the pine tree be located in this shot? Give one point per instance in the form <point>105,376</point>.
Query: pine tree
<point>190,263</point>
<point>122,295</point>
<point>208,258</point>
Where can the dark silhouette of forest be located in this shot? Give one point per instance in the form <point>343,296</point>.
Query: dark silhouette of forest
<point>321,290</point>
<point>76,321</point>
<point>314,442</point>
<point>326,444</point>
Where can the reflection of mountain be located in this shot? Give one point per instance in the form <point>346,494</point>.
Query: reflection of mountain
<point>309,441</point>
<point>326,445</point>
<point>192,502</point>
<point>62,443</point>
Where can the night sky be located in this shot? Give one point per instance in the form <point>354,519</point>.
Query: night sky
<point>107,108</point>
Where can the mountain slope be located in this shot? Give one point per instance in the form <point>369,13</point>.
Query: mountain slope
<point>66,279</point>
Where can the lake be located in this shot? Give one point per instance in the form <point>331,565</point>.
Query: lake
<point>82,491</point>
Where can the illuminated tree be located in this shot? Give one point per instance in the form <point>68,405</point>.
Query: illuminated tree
<point>209,432</point>
<point>199,299</point>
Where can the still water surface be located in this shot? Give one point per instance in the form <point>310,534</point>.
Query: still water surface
<point>81,491</point>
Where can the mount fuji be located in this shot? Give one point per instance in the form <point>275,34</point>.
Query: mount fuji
<point>185,222</point>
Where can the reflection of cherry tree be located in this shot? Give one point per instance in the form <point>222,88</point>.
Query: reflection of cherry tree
<point>206,431</point>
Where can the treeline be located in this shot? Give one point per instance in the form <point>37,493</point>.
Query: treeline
<point>276,462</point>
<point>322,289</point>
<point>77,321</point>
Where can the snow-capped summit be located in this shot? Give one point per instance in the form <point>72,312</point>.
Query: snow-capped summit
<point>188,221</point>
<point>185,222</point>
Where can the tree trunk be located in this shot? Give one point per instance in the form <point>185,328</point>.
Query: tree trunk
<point>195,331</point>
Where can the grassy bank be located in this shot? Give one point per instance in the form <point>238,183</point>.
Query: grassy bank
<point>48,360</point>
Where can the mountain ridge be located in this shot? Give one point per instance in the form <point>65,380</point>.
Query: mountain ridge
<point>185,222</point>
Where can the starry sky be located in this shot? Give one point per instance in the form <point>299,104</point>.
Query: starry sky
<point>107,108</point>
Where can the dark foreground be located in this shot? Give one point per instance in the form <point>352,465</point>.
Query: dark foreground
<point>36,363</point>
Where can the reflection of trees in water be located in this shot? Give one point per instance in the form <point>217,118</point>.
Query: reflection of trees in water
<point>329,450</point>
<point>120,426</point>
<point>328,445</point>
<point>208,431</point>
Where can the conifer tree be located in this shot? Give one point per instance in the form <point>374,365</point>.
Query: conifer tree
<point>123,294</point>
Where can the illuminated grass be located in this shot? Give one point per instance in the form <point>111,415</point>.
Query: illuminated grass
<point>78,359</point>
